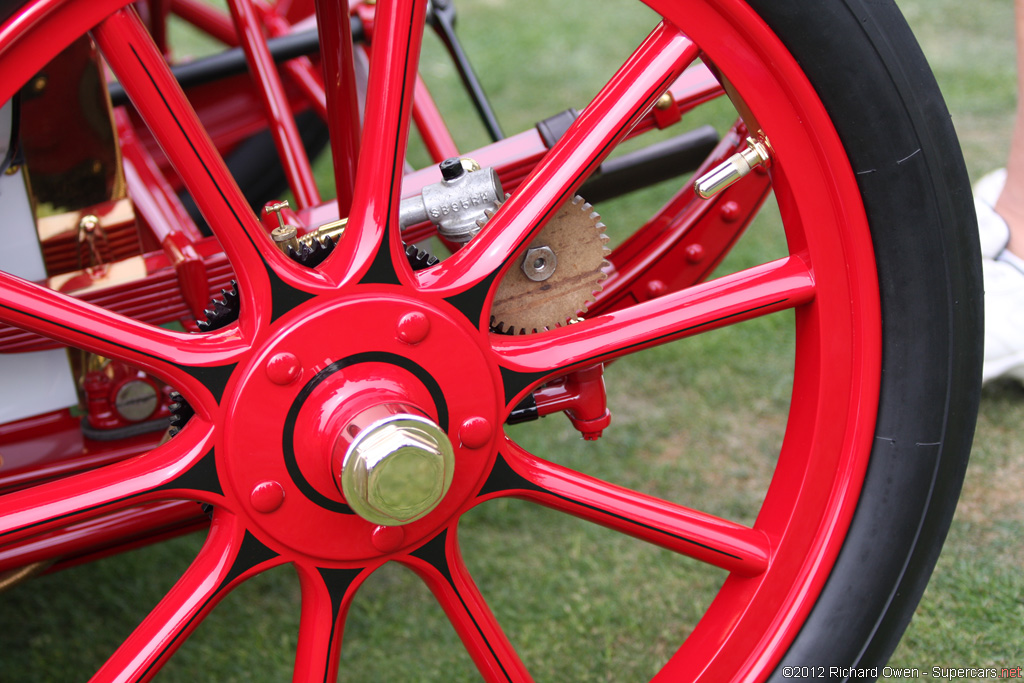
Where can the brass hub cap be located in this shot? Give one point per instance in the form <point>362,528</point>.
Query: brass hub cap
<point>396,469</point>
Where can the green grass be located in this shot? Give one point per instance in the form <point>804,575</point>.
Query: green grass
<point>698,422</point>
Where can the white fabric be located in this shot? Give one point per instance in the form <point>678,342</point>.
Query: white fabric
<point>1004,319</point>
<point>992,229</point>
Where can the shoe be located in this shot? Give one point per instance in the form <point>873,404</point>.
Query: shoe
<point>1004,318</point>
<point>992,229</point>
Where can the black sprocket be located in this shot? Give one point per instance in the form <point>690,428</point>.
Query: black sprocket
<point>181,412</point>
<point>419,259</point>
<point>222,312</point>
<point>313,254</point>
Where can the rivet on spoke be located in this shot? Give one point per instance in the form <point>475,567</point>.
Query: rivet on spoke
<point>267,496</point>
<point>388,538</point>
<point>475,432</point>
<point>656,288</point>
<point>730,211</point>
<point>283,368</point>
<point>413,328</point>
<point>695,253</point>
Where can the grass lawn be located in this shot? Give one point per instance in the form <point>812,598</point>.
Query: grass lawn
<point>698,421</point>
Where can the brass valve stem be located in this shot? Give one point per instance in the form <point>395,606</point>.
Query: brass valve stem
<point>757,153</point>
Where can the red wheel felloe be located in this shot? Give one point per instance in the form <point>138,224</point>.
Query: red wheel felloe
<point>324,365</point>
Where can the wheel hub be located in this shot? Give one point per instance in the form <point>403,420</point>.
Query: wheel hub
<point>364,416</point>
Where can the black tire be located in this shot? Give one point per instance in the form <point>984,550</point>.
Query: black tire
<point>930,284</point>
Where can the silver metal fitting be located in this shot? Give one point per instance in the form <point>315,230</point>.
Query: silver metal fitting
<point>397,469</point>
<point>757,153</point>
<point>539,263</point>
<point>458,205</point>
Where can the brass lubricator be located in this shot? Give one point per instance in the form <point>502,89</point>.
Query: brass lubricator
<point>287,236</point>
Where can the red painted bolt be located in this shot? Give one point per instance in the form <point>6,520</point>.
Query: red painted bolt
<point>475,432</point>
<point>283,368</point>
<point>730,211</point>
<point>267,496</point>
<point>388,539</point>
<point>656,288</point>
<point>695,253</point>
<point>413,327</point>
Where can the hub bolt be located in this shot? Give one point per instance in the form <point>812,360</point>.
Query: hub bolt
<point>413,328</point>
<point>267,496</point>
<point>387,539</point>
<point>475,432</point>
<point>283,368</point>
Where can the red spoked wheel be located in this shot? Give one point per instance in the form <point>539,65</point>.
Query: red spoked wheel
<point>326,367</point>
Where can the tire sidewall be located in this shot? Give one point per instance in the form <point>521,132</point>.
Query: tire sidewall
<point>901,145</point>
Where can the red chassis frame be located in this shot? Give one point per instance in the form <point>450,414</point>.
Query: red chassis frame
<point>285,362</point>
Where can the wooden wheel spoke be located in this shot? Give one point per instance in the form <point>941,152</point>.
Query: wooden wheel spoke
<point>173,356</point>
<point>156,95</point>
<point>440,565</point>
<point>731,299</point>
<point>326,596</point>
<point>229,557</point>
<point>180,469</point>
<point>696,534</point>
<point>372,242</point>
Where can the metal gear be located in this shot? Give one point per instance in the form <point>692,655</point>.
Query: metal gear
<point>181,412</point>
<point>312,253</point>
<point>538,296</point>
<point>419,259</point>
<point>222,312</point>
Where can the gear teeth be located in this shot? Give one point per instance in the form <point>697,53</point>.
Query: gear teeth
<point>489,213</point>
<point>584,218</point>
<point>498,327</point>
<point>181,412</point>
<point>313,253</point>
<point>222,312</point>
<point>301,254</point>
<point>418,258</point>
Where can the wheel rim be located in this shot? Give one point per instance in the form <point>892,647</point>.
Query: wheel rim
<point>272,503</point>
